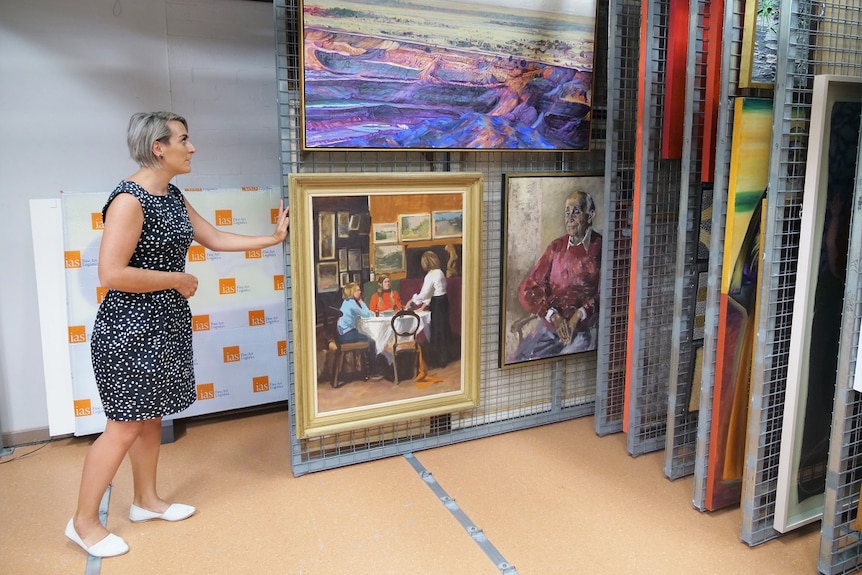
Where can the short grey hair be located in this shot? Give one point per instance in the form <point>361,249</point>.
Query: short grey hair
<point>585,199</point>
<point>145,128</point>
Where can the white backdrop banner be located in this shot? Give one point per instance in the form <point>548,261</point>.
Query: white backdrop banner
<point>238,312</point>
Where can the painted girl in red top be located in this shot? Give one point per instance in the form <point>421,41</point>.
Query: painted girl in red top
<point>385,298</point>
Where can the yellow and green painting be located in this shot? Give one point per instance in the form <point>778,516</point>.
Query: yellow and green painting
<point>749,168</point>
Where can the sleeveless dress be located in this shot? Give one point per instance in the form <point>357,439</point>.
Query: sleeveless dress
<point>141,346</point>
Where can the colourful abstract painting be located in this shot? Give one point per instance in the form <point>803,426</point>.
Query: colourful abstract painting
<point>749,170</point>
<point>479,74</point>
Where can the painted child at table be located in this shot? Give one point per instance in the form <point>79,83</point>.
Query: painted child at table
<point>385,298</point>
<point>353,308</point>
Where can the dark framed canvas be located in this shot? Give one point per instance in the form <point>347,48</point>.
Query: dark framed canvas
<point>442,374</point>
<point>697,325</point>
<point>343,224</point>
<point>385,232</point>
<point>696,376</point>
<point>550,291</point>
<point>327,277</point>
<point>831,173</point>
<point>414,227</point>
<point>466,75</point>
<point>389,258</point>
<point>447,224</point>
<point>326,235</point>
<point>354,259</point>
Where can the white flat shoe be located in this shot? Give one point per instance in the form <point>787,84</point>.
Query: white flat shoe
<point>110,546</point>
<point>176,512</point>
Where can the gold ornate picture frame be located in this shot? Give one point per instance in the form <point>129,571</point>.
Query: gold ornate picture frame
<point>336,387</point>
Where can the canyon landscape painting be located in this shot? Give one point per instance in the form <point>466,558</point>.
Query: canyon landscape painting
<point>481,74</point>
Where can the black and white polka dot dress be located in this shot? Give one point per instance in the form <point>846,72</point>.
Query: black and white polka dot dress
<point>141,344</point>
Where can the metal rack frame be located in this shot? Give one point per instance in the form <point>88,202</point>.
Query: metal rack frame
<point>654,239</point>
<point>511,399</point>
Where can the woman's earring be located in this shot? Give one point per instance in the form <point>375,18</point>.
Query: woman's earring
<point>161,156</point>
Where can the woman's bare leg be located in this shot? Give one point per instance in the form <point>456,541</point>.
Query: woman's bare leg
<point>100,466</point>
<point>144,455</point>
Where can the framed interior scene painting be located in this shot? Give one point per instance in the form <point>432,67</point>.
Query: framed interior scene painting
<point>552,255</point>
<point>830,179</point>
<point>507,75</point>
<point>399,337</point>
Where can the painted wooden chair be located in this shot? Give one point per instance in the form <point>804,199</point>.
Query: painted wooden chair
<point>405,348</point>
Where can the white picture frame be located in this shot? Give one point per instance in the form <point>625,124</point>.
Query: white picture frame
<point>790,511</point>
<point>385,233</point>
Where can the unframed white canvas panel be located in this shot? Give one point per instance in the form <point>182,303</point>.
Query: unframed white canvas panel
<point>46,218</point>
<point>238,312</point>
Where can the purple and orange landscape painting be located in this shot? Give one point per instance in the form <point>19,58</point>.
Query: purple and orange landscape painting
<point>481,74</point>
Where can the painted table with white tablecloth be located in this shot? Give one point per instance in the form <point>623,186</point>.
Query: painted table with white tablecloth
<point>379,328</point>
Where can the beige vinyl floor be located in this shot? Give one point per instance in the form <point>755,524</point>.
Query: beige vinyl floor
<point>556,499</point>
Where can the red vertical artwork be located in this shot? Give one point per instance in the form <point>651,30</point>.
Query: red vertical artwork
<point>640,159</point>
<point>674,98</point>
<point>714,23</point>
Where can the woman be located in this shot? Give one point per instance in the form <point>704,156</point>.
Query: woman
<point>433,296</point>
<point>384,299</point>
<point>352,308</point>
<point>142,339</point>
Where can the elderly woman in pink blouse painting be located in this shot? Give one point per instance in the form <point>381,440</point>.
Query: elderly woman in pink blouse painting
<point>562,289</point>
